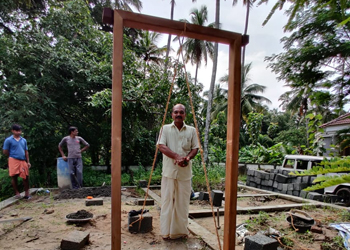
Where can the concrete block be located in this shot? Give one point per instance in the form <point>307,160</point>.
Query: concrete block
<point>290,187</point>
<point>275,184</point>
<point>253,184</point>
<point>94,202</point>
<point>272,176</point>
<point>203,196</point>
<point>290,192</point>
<point>305,179</point>
<point>300,186</point>
<point>286,172</point>
<point>281,178</point>
<point>143,183</point>
<point>146,223</point>
<point>280,186</point>
<point>265,182</point>
<point>330,198</point>
<point>285,187</point>
<point>216,196</point>
<point>257,180</point>
<point>315,196</point>
<point>312,178</point>
<point>75,240</point>
<point>149,202</point>
<point>250,172</point>
<point>296,193</point>
<point>303,194</point>
<point>320,191</point>
<point>265,175</point>
<point>260,242</point>
<point>270,183</point>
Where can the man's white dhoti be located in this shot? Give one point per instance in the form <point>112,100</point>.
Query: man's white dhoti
<point>175,208</point>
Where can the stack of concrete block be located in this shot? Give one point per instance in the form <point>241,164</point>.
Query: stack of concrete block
<point>279,180</point>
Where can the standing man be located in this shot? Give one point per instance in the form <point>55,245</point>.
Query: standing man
<point>74,160</point>
<point>179,144</point>
<point>15,147</point>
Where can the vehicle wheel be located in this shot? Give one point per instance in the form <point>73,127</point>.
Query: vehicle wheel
<point>344,196</point>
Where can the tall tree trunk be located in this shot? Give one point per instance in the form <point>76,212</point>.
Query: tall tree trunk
<point>245,33</point>
<point>195,77</point>
<point>169,37</point>
<point>212,84</point>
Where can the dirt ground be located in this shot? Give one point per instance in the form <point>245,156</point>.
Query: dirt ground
<point>49,226</point>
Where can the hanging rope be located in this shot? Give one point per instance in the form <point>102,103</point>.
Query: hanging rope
<point>198,138</point>
<point>200,147</point>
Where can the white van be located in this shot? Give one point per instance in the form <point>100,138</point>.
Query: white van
<point>306,162</point>
<point>302,162</point>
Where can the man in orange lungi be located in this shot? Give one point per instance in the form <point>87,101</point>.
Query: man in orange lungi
<point>15,147</point>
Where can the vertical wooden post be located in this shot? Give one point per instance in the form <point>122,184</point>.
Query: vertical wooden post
<point>232,146</point>
<point>117,99</point>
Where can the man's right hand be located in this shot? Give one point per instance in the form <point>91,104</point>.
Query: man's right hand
<point>64,158</point>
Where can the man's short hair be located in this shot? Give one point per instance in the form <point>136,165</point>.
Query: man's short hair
<point>16,127</point>
<point>71,129</point>
<point>180,104</point>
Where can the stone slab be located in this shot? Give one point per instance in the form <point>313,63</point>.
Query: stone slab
<point>135,221</point>
<point>149,202</point>
<point>75,240</point>
<point>260,242</point>
<point>94,202</point>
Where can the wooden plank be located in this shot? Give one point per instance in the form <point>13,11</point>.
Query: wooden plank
<point>233,125</point>
<point>157,24</point>
<point>209,238</point>
<point>193,226</point>
<point>16,219</point>
<point>153,195</point>
<point>117,130</point>
<point>246,210</point>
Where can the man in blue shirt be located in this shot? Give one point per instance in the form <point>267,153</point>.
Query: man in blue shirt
<point>15,147</point>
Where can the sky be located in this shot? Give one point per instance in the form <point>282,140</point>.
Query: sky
<point>263,40</point>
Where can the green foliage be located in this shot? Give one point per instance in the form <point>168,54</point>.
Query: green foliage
<point>142,174</point>
<point>216,175</point>
<point>260,154</point>
<point>310,61</point>
<point>6,190</point>
<point>335,165</point>
<point>256,222</point>
<point>335,244</point>
<point>94,178</point>
<point>254,126</point>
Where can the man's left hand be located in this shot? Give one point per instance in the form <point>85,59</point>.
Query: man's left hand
<point>29,165</point>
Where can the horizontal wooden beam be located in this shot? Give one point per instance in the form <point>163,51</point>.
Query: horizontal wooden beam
<point>163,25</point>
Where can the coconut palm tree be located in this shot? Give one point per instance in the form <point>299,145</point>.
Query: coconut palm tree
<point>248,4</point>
<point>172,2</point>
<point>197,50</point>
<point>148,49</point>
<point>126,4</point>
<point>212,83</point>
<point>250,100</point>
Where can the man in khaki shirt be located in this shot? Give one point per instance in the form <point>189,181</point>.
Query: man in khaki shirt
<point>179,144</point>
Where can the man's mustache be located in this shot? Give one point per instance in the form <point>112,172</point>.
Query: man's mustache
<point>179,116</point>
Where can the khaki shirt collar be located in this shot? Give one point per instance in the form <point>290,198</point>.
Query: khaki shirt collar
<point>183,127</point>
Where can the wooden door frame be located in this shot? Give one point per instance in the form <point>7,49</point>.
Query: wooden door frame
<point>120,19</point>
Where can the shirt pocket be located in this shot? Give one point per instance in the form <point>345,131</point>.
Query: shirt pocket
<point>186,144</point>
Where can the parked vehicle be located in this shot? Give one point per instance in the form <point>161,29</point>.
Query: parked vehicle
<point>306,162</point>
<point>302,162</point>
